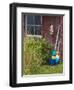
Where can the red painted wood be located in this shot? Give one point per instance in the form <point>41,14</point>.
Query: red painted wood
<point>55,21</point>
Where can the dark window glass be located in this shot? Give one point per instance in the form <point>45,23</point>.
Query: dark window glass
<point>30,19</point>
<point>37,30</point>
<point>33,25</point>
<point>30,30</point>
<point>37,20</point>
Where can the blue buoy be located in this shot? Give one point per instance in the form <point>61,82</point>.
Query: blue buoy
<point>57,60</point>
<point>54,58</point>
<point>53,52</point>
<point>52,62</point>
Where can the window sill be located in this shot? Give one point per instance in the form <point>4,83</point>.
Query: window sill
<point>38,36</point>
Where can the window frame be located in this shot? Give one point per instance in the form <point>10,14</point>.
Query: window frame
<point>26,25</point>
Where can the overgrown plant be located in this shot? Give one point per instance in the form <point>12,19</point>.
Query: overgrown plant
<point>37,51</point>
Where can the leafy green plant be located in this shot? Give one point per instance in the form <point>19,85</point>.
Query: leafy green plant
<point>36,53</point>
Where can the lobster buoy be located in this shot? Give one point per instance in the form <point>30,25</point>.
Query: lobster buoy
<point>55,58</point>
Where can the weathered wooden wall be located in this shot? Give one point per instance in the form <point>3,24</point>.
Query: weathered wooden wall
<point>55,21</point>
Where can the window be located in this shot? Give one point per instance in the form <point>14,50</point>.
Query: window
<point>33,25</point>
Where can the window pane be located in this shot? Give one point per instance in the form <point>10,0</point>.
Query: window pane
<point>37,30</point>
<point>30,30</point>
<point>30,19</point>
<point>37,20</point>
